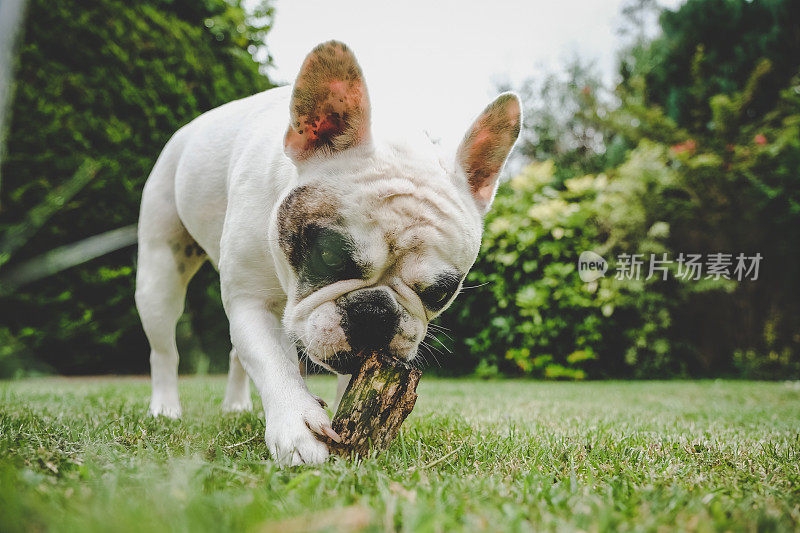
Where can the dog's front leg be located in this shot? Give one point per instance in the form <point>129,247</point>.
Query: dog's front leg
<point>293,414</point>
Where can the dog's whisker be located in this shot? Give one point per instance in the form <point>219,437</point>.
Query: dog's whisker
<point>469,287</point>
<point>442,330</point>
<point>439,342</point>
<point>434,351</point>
<point>430,349</point>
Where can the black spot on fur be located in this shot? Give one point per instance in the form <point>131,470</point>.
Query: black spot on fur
<point>305,208</point>
<point>193,249</point>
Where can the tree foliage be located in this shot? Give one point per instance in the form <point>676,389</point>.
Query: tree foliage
<point>711,47</point>
<point>700,155</point>
<point>111,81</point>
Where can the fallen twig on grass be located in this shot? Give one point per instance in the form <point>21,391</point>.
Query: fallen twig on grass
<point>437,461</point>
<point>229,446</point>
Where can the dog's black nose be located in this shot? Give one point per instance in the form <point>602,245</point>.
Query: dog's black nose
<point>372,319</point>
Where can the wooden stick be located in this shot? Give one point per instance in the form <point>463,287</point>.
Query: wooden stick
<point>379,397</point>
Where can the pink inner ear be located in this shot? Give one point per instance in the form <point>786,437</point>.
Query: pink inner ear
<point>337,86</point>
<point>329,106</point>
<point>484,194</point>
<point>336,121</point>
<point>328,126</point>
<point>481,137</point>
<point>485,148</point>
<point>482,159</point>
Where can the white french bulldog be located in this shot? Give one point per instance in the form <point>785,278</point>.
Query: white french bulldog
<point>326,240</point>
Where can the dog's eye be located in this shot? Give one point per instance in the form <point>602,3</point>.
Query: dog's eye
<point>332,257</point>
<point>331,250</point>
<point>439,293</point>
<point>437,296</point>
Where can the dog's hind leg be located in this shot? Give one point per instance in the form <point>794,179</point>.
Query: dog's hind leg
<point>168,258</point>
<point>237,393</point>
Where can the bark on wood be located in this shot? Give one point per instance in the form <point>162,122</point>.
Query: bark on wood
<point>380,396</point>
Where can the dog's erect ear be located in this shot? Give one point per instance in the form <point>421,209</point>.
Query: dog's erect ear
<point>487,144</point>
<point>330,106</point>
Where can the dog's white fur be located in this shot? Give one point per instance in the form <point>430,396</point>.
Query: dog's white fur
<point>219,183</point>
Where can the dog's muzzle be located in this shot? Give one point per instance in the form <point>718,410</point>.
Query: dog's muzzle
<point>370,318</point>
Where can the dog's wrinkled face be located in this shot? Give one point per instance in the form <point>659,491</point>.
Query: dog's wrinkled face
<point>376,238</point>
<point>376,251</point>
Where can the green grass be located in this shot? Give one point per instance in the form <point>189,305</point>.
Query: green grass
<point>79,455</point>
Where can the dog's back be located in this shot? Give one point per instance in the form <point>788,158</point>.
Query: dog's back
<point>187,190</point>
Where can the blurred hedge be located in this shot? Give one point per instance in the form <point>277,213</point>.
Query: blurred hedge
<point>696,150</point>
<point>109,80</point>
<point>635,174</point>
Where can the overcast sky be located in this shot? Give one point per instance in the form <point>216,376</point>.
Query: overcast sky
<point>437,63</point>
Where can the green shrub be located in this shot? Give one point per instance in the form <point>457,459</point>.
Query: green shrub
<point>524,309</point>
<point>700,153</point>
<point>110,80</point>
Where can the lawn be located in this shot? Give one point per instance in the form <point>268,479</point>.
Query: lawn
<point>79,455</point>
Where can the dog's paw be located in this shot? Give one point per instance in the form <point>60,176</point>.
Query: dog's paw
<point>167,409</point>
<point>242,406</point>
<point>292,433</point>
<point>237,400</point>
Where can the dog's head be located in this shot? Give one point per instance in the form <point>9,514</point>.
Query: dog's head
<point>376,239</point>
